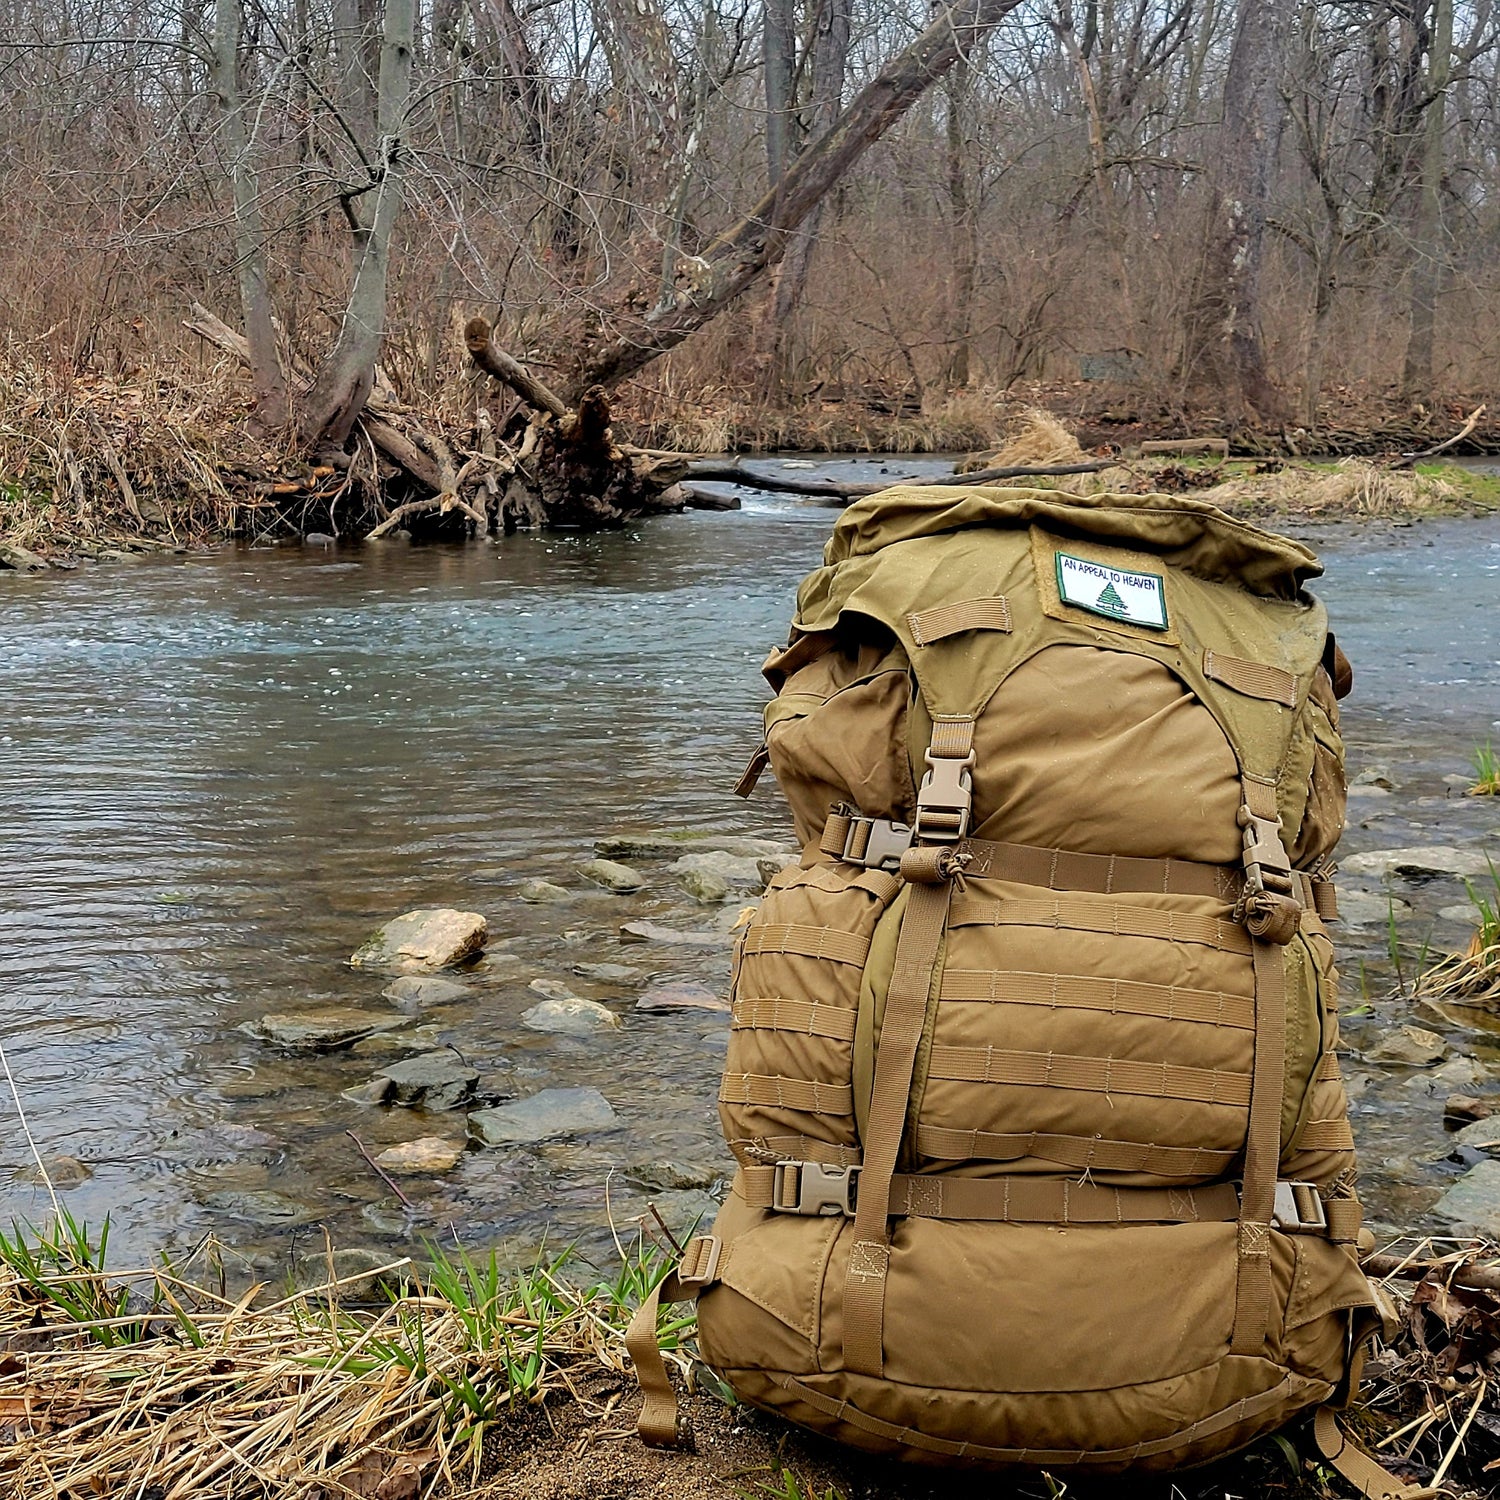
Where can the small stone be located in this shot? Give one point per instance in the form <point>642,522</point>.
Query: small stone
<point>680,995</point>
<point>674,1176</point>
<point>608,973</point>
<point>418,992</point>
<point>1474,1200</point>
<point>675,845</point>
<point>1410,1046</point>
<point>551,989</point>
<point>1356,793</point>
<point>542,892</point>
<point>706,887</point>
<point>711,876</point>
<point>433,1081</point>
<point>1465,1109</point>
<point>620,879</point>
<point>387,1216</point>
<point>1427,862</point>
<point>543,1117</point>
<point>321,1030</point>
<point>428,1153</point>
<point>570,1017</point>
<point>654,932</point>
<point>1376,776</point>
<point>421,941</point>
<point>258,1206</point>
<point>399,1043</point>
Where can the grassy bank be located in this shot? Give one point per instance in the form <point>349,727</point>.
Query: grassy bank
<point>464,1379</point>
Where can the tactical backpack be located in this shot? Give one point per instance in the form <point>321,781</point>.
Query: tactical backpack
<point>1043,1154</point>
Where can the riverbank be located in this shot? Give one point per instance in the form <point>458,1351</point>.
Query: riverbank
<point>93,467</point>
<point>464,1380</point>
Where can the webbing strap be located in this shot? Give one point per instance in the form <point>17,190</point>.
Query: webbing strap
<point>910,988</point>
<point>1252,1293</point>
<point>775,1013</point>
<point>1020,1199</point>
<point>754,1150</point>
<point>806,942</point>
<point>1327,1135</point>
<point>1290,1387</point>
<point>752,772</point>
<point>1100,1075</point>
<point>1120,997</point>
<point>1325,899</point>
<point>1085,1152</point>
<point>929,625</point>
<point>1080,914</point>
<point>1255,679</point>
<point>771,1090</point>
<point>1355,1465</point>
<point>1108,874</point>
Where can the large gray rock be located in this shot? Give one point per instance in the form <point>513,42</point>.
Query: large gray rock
<point>1369,908</point>
<point>421,941</point>
<point>654,932</point>
<point>620,879</point>
<point>543,1117</point>
<point>22,560</point>
<point>715,876</point>
<point>1410,1046</point>
<point>570,1016</point>
<point>1427,862</point>
<point>416,992</point>
<point>435,1080</point>
<point>324,1030</point>
<point>678,995</point>
<point>1482,1135</point>
<point>674,845</point>
<point>543,892</point>
<point>1474,1200</point>
<point>675,1176</point>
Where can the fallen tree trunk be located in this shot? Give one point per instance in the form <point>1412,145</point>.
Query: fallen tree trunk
<point>834,489</point>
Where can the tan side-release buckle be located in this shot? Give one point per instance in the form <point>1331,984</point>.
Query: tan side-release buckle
<point>1269,908</point>
<point>813,1188</point>
<point>876,843</point>
<point>945,799</point>
<point>1298,1209</point>
<point>700,1261</point>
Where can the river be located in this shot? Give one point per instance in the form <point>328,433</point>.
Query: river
<point>221,771</point>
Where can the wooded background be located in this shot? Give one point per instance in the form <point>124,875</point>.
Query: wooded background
<point>1242,205</point>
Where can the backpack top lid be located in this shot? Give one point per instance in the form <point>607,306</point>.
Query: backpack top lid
<point>1189,534</point>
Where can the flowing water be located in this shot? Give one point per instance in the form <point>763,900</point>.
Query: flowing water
<point>219,772</point>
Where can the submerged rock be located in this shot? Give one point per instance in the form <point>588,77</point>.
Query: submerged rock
<point>1409,1046</point>
<point>542,892</point>
<point>435,1081</point>
<point>324,1030</point>
<point>399,1043</point>
<point>258,1206</point>
<point>1427,862</point>
<point>674,845</point>
<point>654,932</point>
<point>429,1153</point>
<point>418,991</point>
<point>551,989</point>
<point>60,1171</point>
<point>680,995</point>
<point>608,973</point>
<point>424,940</point>
<point>570,1016</point>
<point>1482,1135</point>
<point>543,1117</point>
<point>620,879</point>
<point>674,1176</point>
<point>712,877</point>
<point>1474,1200</point>
<point>1367,909</point>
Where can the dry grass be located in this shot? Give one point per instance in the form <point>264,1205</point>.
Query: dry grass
<point>1473,976</point>
<point>1354,487</point>
<point>1033,436</point>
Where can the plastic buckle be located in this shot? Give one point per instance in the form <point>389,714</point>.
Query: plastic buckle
<point>1268,867</point>
<point>945,799</point>
<point>884,842</point>
<point>1298,1209</point>
<point>812,1189</point>
<point>700,1260</point>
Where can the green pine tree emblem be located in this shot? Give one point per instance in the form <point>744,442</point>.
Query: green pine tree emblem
<point>1111,601</point>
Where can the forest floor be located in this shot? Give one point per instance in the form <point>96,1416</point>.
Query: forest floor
<point>94,465</point>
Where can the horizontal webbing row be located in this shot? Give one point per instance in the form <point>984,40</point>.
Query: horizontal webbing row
<point>941,1143</point>
<point>1327,1135</point>
<point>1126,997</point>
<point>806,942</point>
<point>1256,679</point>
<point>938,623</point>
<point>1104,874</point>
<point>1021,1200</point>
<point>1293,1389</point>
<point>787,1093</point>
<point>1099,1075</point>
<point>807,1017</point>
<point>763,1149</point>
<point>1115,918</point>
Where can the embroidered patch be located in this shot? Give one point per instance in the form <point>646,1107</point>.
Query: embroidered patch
<point>1136,598</point>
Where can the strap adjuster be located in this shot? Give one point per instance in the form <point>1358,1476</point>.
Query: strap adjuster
<point>945,799</point>
<point>1298,1209</point>
<point>700,1261</point>
<point>813,1189</point>
<point>876,843</point>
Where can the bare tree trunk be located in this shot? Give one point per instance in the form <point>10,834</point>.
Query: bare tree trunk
<point>1224,346</point>
<point>779,61</point>
<point>249,234</point>
<point>343,383</point>
<point>965,217</point>
<point>743,253</point>
<point>1417,374</point>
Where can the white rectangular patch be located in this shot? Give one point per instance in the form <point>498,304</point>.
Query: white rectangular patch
<point>1136,598</point>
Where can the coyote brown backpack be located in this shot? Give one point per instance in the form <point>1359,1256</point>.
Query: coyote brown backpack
<point>1043,1154</point>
